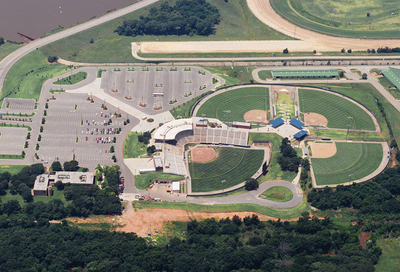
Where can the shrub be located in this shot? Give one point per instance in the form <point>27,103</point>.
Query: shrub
<point>251,184</point>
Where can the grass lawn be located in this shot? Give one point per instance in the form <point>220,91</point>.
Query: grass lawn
<point>350,20</point>
<point>72,79</point>
<point>238,101</point>
<point>132,147</point>
<point>390,258</point>
<point>352,161</point>
<point>25,79</point>
<point>278,194</point>
<point>8,48</point>
<point>232,75</point>
<point>273,138</point>
<point>264,74</point>
<point>341,135</point>
<point>56,195</point>
<point>94,226</point>
<point>240,207</point>
<point>184,110</point>
<point>237,23</point>
<point>234,165</point>
<point>389,87</point>
<point>9,197</point>
<point>339,111</point>
<point>12,169</point>
<point>143,181</point>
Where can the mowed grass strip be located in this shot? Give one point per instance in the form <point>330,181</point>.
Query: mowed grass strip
<point>72,79</point>
<point>352,161</point>
<point>339,111</point>
<point>234,165</point>
<point>238,101</point>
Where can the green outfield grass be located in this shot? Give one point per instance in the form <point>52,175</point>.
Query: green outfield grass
<point>350,20</point>
<point>234,165</point>
<point>390,258</point>
<point>8,48</point>
<point>264,74</point>
<point>72,79</point>
<point>25,79</point>
<point>239,207</point>
<point>237,23</point>
<point>338,111</point>
<point>238,101</point>
<point>143,181</point>
<point>132,147</point>
<point>342,135</point>
<point>278,194</point>
<point>352,161</point>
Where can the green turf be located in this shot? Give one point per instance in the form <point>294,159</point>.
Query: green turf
<point>8,48</point>
<point>238,101</point>
<point>342,135</point>
<point>9,197</point>
<point>338,111</point>
<point>278,194</point>
<point>390,258</point>
<point>56,195</point>
<point>234,165</point>
<point>351,19</point>
<point>273,138</point>
<point>184,110</point>
<point>264,74</point>
<point>239,207</point>
<point>12,169</point>
<point>237,23</point>
<point>132,147</point>
<point>72,79</point>
<point>352,161</point>
<point>25,79</point>
<point>389,87</point>
<point>143,181</point>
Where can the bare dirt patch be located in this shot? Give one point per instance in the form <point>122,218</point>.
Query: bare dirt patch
<point>204,154</point>
<point>315,119</point>
<point>323,150</point>
<point>258,116</point>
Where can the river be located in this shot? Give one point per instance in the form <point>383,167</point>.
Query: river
<point>34,18</point>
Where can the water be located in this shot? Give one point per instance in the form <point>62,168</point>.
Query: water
<point>36,17</point>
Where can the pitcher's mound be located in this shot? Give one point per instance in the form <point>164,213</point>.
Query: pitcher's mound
<point>258,116</point>
<point>322,150</point>
<point>203,154</point>
<point>315,119</point>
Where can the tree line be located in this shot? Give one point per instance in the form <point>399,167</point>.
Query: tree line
<point>288,159</point>
<point>196,17</point>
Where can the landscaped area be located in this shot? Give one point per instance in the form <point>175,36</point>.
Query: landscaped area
<point>72,79</point>
<point>144,181</point>
<point>132,147</point>
<point>352,161</point>
<point>278,194</point>
<point>237,101</point>
<point>234,165</point>
<point>339,111</point>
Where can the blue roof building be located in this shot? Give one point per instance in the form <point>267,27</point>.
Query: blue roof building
<point>300,134</point>
<point>296,123</point>
<point>277,122</point>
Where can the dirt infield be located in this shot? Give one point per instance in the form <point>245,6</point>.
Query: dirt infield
<point>203,154</point>
<point>322,150</point>
<point>256,116</point>
<point>315,119</point>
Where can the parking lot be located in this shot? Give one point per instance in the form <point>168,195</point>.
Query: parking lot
<point>152,89</point>
<point>16,105</point>
<point>12,140</point>
<point>74,126</point>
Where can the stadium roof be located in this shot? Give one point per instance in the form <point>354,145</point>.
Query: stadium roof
<point>277,122</point>
<point>393,75</point>
<point>300,134</point>
<point>296,123</point>
<point>305,73</point>
<point>169,130</point>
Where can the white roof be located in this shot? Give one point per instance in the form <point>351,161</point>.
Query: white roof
<point>241,124</point>
<point>41,183</point>
<point>176,186</point>
<point>169,130</point>
<point>157,162</point>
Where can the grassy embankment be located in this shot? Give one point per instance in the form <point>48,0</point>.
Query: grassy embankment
<point>143,181</point>
<point>72,79</point>
<point>132,147</point>
<point>278,194</point>
<point>7,48</point>
<point>237,23</point>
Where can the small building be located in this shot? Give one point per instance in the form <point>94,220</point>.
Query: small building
<point>330,73</point>
<point>245,125</point>
<point>277,122</point>
<point>305,149</point>
<point>202,123</point>
<point>176,187</point>
<point>393,76</point>
<point>299,135</point>
<point>158,147</point>
<point>158,165</point>
<point>296,123</point>
<point>41,187</point>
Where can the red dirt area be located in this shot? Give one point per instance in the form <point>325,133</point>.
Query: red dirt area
<point>315,119</point>
<point>363,238</point>
<point>256,116</point>
<point>204,154</point>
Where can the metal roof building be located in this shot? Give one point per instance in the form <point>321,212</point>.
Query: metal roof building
<point>300,134</point>
<point>277,122</point>
<point>296,123</point>
<point>393,76</point>
<point>305,73</point>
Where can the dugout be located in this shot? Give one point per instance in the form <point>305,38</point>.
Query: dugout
<point>300,135</point>
<point>245,125</point>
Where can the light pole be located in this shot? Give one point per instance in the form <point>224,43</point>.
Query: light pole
<point>223,181</point>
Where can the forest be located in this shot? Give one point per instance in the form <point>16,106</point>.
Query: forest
<point>235,244</point>
<point>186,17</point>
